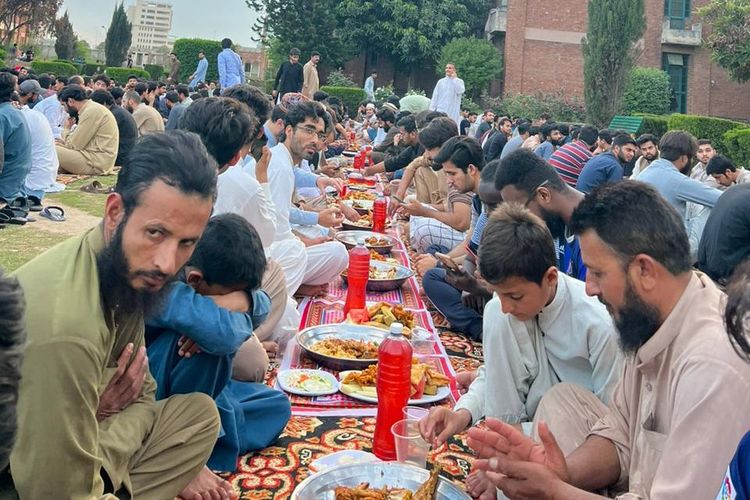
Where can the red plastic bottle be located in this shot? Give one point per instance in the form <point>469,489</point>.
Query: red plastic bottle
<point>378,215</point>
<point>357,276</point>
<point>394,387</point>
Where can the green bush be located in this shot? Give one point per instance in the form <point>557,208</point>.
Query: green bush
<point>155,70</point>
<point>654,124</point>
<point>91,69</point>
<point>558,105</point>
<point>265,85</point>
<point>737,146</point>
<point>337,78</point>
<point>468,103</point>
<point>704,127</point>
<point>477,63</point>
<point>648,91</point>
<point>187,52</point>
<point>121,74</point>
<point>383,93</point>
<point>350,96</point>
<point>3,54</point>
<point>57,68</point>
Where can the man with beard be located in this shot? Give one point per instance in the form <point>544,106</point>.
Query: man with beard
<point>540,329</point>
<point>321,260</point>
<point>526,179</point>
<point>493,146</point>
<point>704,154</point>
<point>447,94</point>
<point>681,406</point>
<point>90,148</point>
<point>609,166</point>
<point>147,119</point>
<point>88,422</point>
<point>552,139</point>
<point>649,146</point>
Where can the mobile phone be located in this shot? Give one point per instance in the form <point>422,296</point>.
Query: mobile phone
<point>447,261</point>
<point>398,199</point>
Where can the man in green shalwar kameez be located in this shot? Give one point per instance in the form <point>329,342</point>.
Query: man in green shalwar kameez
<point>89,426</point>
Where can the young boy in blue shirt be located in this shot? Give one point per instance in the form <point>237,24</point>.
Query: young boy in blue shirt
<point>206,317</point>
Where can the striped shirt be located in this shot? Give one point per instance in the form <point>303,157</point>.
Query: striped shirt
<point>569,161</point>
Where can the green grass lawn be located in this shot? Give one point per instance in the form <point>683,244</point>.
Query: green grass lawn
<point>19,244</point>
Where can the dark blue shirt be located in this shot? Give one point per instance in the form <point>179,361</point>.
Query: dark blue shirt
<point>599,170</point>
<point>736,484</point>
<point>15,148</point>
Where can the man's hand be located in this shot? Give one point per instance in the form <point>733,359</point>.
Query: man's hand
<point>442,423</point>
<point>125,385</point>
<point>324,182</point>
<point>331,170</point>
<point>330,217</point>
<point>393,206</point>
<point>188,347</point>
<point>261,166</point>
<point>424,263</point>
<point>370,171</point>
<point>501,440</point>
<point>461,280</point>
<point>415,208</point>
<point>348,212</point>
<point>274,93</point>
<point>465,379</point>
<point>396,139</point>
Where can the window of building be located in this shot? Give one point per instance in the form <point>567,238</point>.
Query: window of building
<point>677,11</point>
<point>676,66</point>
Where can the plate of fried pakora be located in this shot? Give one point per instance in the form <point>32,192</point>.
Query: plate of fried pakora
<point>381,243</point>
<point>385,276</point>
<point>428,384</point>
<point>378,481</point>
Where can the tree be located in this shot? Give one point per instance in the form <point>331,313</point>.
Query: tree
<point>65,38</point>
<point>306,24</point>
<point>82,50</point>
<point>411,32</point>
<point>729,39</point>
<point>187,52</point>
<point>648,91</point>
<point>613,28</point>
<point>477,63</point>
<point>34,15</point>
<point>118,39</point>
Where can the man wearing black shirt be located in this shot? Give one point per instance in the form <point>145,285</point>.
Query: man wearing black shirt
<point>290,76</point>
<point>726,237</point>
<point>409,138</point>
<point>125,124</point>
<point>494,145</point>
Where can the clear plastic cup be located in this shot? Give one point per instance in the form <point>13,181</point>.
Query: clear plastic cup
<point>410,447</point>
<point>415,412</point>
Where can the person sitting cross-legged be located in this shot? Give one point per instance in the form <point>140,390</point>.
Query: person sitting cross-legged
<point>208,315</point>
<point>540,329</point>
<point>681,406</point>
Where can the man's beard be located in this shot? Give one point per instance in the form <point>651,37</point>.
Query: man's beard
<point>118,295</point>
<point>636,321</point>
<point>555,224</point>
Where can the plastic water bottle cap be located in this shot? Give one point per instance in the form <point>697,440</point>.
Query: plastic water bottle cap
<point>397,329</point>
<point>361,242</point>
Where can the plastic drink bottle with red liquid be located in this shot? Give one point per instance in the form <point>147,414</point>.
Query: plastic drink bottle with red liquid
<point>393,387</point>
<point>357,276</point>
<point>378,215</point>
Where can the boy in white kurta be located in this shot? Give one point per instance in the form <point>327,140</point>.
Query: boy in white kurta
<point>539,329</point>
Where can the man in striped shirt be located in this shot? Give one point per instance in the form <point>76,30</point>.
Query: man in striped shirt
<point>570,159</point>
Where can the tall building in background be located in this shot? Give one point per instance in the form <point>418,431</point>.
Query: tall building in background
<point>152,22</point>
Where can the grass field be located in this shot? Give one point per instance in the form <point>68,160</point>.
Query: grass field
<point>19,244</point>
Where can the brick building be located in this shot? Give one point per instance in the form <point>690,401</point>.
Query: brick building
<point>541,42</point>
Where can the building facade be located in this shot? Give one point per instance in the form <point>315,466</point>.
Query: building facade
<point>152,22</point>
<point>541,42</point>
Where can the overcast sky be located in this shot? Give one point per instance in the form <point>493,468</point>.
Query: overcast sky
<point>212,19</point>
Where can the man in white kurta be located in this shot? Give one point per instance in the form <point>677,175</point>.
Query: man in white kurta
<point>320,261</point>
<point>44,162</point>
<point>448,93</point>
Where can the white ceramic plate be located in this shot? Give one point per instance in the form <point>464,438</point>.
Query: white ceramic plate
<point>442,393</point>
<point>303,382</point>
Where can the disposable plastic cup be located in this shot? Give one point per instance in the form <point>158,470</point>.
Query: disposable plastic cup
<point>415,412</point>
<point>410,447</point>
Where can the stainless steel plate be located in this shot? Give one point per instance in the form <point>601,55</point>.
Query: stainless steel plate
<point>385,285</point>
<point>349,239</point>
<point>392,474</point>
<point>309,336</point>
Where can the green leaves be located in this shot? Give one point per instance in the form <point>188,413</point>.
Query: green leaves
<point>648,91</point>
<point>118,38</point>
<point>729,39</point>
<point>613,28</point>
<point>187,52</point>
<point>65,39</point>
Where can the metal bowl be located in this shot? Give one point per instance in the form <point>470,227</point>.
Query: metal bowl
<point>309,336</point>
<point>350,238</point>
<point>386,285</point>
<point>321,486</point>
<point>363,207</point>
<point>347,225</point>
